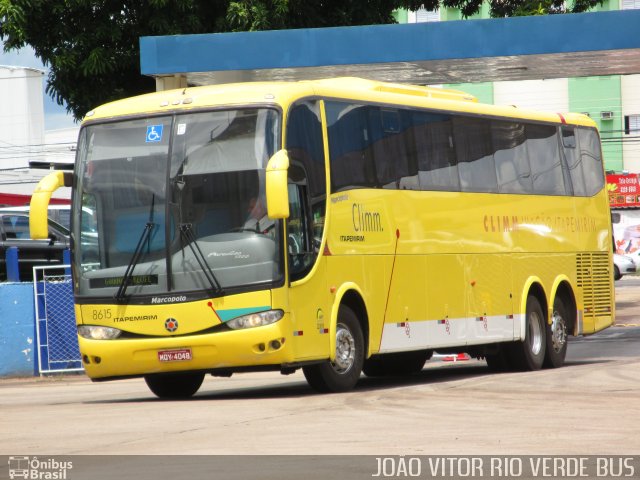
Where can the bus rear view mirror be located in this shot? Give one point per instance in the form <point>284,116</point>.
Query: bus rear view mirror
<point>276,179</point>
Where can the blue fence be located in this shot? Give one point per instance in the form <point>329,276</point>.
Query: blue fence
<point>56,327</point>
<point>38,332</point>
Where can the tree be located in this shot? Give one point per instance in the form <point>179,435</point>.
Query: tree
<point>91,46</point>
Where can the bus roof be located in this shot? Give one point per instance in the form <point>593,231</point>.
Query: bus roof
<point>351,88</point>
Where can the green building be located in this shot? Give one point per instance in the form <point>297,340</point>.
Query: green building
<point>612,101</point>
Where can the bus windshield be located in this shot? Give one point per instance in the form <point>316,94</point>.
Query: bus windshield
<point>176,204</point>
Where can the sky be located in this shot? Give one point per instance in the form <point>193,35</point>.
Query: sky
<point>55,116</point>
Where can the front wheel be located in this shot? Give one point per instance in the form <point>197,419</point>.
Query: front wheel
<point>529,353</point>
<point>342,374</point>
<point>174,385</point>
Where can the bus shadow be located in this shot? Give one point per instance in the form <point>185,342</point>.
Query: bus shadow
<point>431,375</point>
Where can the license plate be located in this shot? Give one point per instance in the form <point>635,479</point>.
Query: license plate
<point>181,355</point>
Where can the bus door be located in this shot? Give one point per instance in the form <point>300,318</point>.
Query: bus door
<point>309,297</point>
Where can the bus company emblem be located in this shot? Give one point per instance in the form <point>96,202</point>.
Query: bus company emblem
<point>171,324</point>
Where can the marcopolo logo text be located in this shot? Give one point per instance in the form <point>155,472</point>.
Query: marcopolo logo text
<point>176,299</point>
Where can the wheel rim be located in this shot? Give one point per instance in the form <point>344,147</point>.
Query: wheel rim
<point>535,333</point>
<point>345,350</point>
<point>558,332</point>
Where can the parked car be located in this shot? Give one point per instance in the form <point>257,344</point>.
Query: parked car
<point>58,213</point>
<point>622,265</point>
<point>635,257</point>
<point>14,232</point>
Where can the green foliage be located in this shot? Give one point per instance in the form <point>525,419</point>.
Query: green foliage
<point>92,46</point>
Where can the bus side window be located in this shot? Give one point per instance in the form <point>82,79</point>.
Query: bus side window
<point>300,253</point>
<point>435,155</point>
<point>544,159</point>
<point>591,155</point>
<point>476,167</point>
<point>307,185</point>
<point>510,154</point>
<point>574,161</point>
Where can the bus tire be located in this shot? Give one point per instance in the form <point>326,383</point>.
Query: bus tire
<point>402,363</point>
<point>529,353</point>
<point>557,337</point>
<point>343,374</point>
<point>174,385</point>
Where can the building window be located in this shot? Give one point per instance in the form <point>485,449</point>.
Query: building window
<point>421,15</point>
<point>630,4</point>
<point>632,124</point>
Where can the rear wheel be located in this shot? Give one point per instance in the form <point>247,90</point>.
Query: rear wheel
<point>616,273</point>
<point>557,336</point>
<point>403,363</point>
<point>529,353</point>
<point>174,385</point>
<point>342,374</point>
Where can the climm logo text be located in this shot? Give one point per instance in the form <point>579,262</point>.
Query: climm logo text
<point>514,223</point>
<point>364,220</point>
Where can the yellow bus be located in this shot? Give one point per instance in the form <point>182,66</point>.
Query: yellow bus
<point>340,226</point>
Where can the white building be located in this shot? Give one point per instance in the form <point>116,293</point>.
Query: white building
<point>26,150</point>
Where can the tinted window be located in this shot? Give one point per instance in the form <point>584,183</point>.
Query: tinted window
<point>391,136</point>
<point>381,147</point>
<point>475,154</point>
<point>511,158</point>
<point>591,156</point>
<point>349,141</point>
<point>305,146</point>
<point>574,161</point>
<point>436,161</point>
<point>307,186</point>
<point>544,158</point>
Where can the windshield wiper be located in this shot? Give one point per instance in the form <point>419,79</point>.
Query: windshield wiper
<point>135,258</point>
<point>186,232</point>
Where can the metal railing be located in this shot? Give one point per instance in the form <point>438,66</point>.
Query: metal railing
<point>56,334</point>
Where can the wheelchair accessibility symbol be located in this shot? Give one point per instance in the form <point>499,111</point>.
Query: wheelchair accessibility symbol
<point>154,133</point>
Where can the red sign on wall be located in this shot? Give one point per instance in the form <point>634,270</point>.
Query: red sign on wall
<point>624,190</point>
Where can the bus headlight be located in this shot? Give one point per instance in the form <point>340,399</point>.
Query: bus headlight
<point>259,319</point>
<point>95,332</point>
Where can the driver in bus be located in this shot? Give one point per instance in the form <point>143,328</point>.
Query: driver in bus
<point>257,219</point>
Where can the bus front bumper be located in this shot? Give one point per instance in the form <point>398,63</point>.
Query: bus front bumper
<point>254,347</point>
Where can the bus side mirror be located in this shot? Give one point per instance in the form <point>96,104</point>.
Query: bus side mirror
<point>38,223</point>
<point>276,180</point>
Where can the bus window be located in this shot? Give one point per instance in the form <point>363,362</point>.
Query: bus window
<point>437,167</point>
<point>390,148</point>
<point>475,155</point>
<point>300,254</point>
<point>591,156</point>
<point>510,154</point>
<point>574,161</point>
<point>349,139</point>
<point>544,158</point>
<point>307,189</point>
